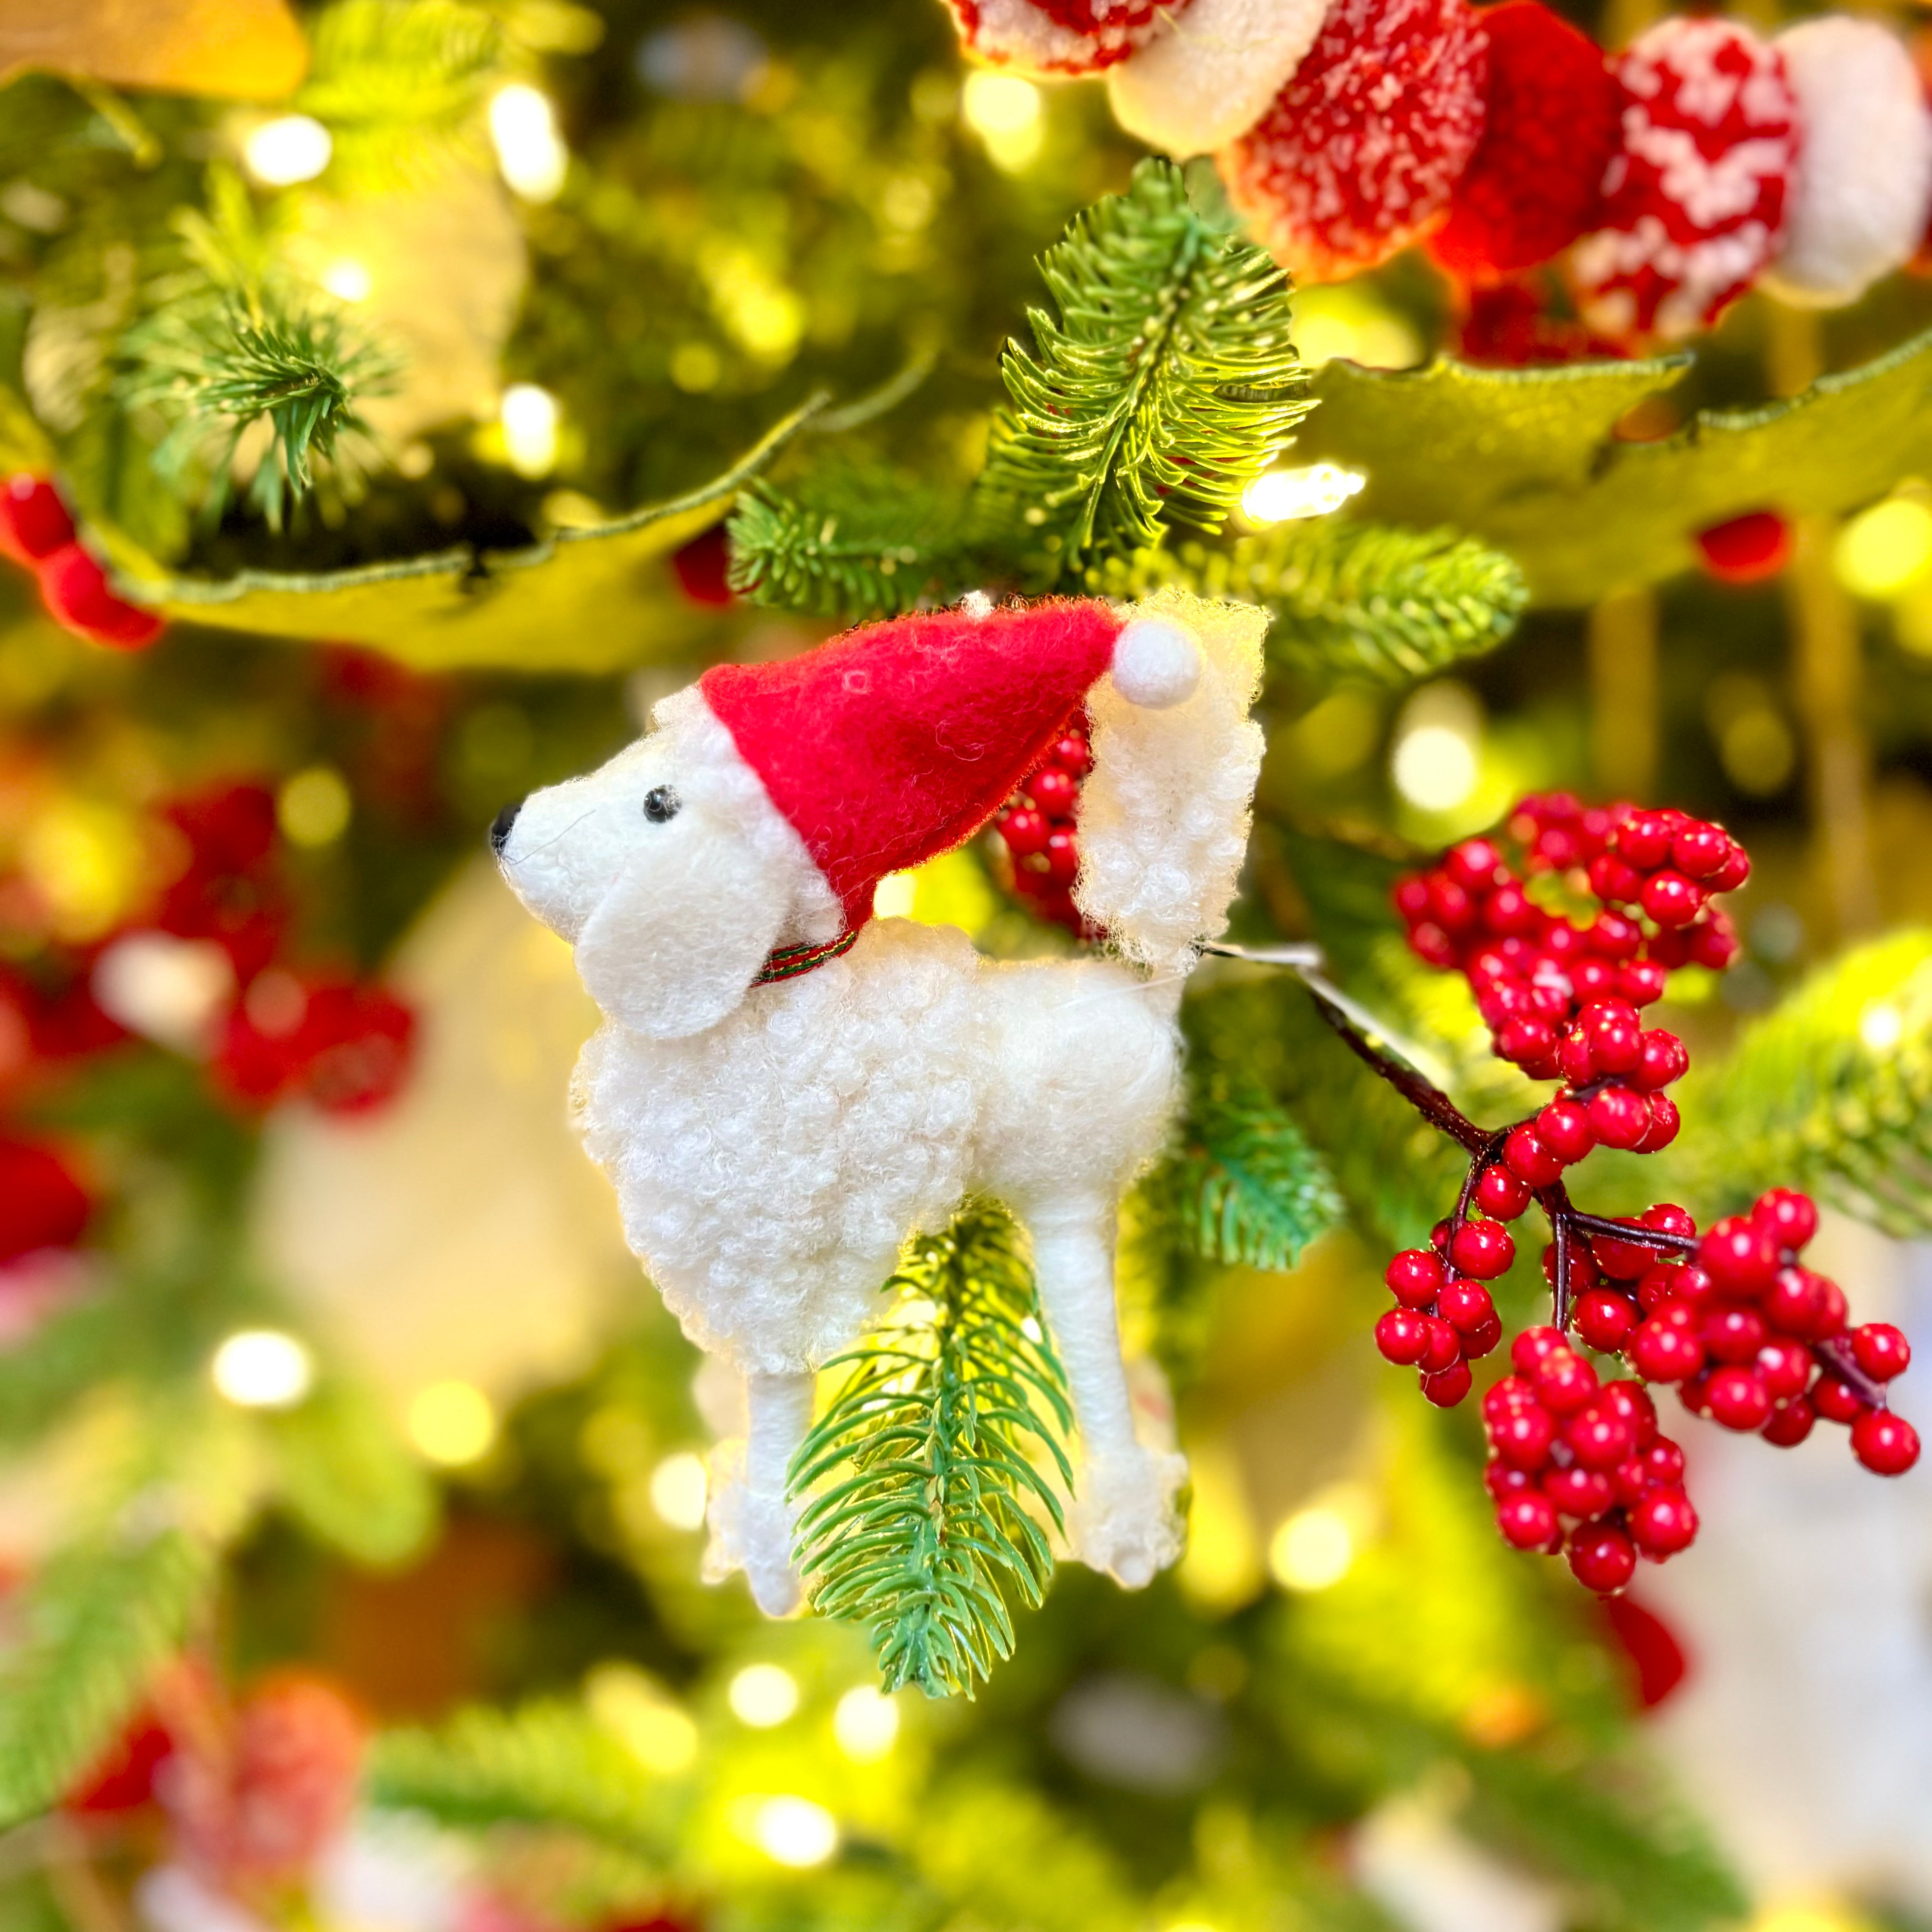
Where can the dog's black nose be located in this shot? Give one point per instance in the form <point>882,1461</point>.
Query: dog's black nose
<point>500,826</point>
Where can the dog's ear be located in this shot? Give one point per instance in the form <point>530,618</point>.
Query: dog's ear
<point>675,944</point>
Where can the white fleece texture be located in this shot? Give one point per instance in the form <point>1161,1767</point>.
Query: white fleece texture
<point>1164,813</point>
<point>1214,74</point>
<point>1863,183</point>
<point>772,1147</point>
<point>1015,34</point>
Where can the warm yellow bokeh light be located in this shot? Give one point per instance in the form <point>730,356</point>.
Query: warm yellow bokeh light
<point>529,416</point>
<point>678,1490</point>
<point>866,1724</point>
<point>1886,549</point>
<point>893,897</point>
<point>529,151</point>
<point>1313,490</point>
<point>763,1695</point>
<point>638,1712</point>
<point>312,807</point>
<point>1313,1549</point>
<point>1434,766</point>
<point>347,281</point>
<point>262,1368</point>
<point>796,1832</point>
<point>1008,114</point>
<point>452,1423</point>
<point>294,147</point>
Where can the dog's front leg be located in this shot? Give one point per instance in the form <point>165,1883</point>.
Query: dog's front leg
<point>1123,1518</point>
<point>751,1521</point>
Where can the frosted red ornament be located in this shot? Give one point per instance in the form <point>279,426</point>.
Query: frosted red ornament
<point>1695,199</point>
<point>1550,129</point>
<point>1359,153</point>
<point>1059,37</point>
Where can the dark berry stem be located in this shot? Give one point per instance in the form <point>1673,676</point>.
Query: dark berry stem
<point>1427,1099</point>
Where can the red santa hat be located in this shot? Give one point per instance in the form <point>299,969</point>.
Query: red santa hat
<point>899,741</point>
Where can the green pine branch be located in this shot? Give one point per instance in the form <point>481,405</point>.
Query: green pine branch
<point>94,1626</point>
<point>919,1474</point>
<point>847,544</point>
<point>1349,599</point>
<point>1831,1092</point>
<point>547,1763</point>
<point>1244,1187</point>
<point>1161,384</point>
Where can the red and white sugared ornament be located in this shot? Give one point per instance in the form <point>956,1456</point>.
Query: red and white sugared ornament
<point>1358,154</point>
<point>1064,37</point>
<point>1696,200</point>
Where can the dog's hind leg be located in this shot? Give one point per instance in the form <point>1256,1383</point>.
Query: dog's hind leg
<point>751,1521</point>
<point>1124,1519</point>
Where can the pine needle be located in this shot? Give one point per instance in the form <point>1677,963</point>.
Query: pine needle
<point>1162,383</point>
<point>97,1623</point>
<point>918,1474</point>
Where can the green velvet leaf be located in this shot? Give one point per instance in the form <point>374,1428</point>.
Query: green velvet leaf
<point>596,597</point>
<point>1527,459</point>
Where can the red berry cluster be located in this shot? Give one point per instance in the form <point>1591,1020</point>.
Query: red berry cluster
<point>36,532</point>
<point>1564,1448</point>
<point>1037,824</point>
<point>1562,1000</point>
<point>1753,1339</point>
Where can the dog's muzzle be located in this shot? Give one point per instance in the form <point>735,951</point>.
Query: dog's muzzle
<point>499,826</point>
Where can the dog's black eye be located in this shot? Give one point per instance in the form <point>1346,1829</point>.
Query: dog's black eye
<point>660,803</point>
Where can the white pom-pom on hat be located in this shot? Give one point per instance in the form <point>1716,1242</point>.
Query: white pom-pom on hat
<point>1209,80</point>
<point>1156,664</point>
<point>1862,186</point>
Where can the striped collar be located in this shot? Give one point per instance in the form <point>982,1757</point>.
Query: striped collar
<point>789,962</point>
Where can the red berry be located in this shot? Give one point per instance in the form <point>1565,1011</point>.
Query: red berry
<point>1447,1386</point>
<point>1739,1256</point>
<point>1881,1350</point>
<point>1661,1352</point>
<point>1658,1285</point>
<point>1592,980</point>
<point>1663,1464</point>
<point>1475,865</point>
<point>1663,1523</point>
<point>1786,1367</point>
<point>1746,550</point>
<point>1564,1127</point>
<point>1478,1341</point>
<point>1452,906</point>
<point>1439,1236</point>
<point>1525,1040</point>
<point>1671,899</point>
<point>1665,1120</point>
<point>1619,1118</point>
<point>1573,1060</point>
<point>1733,1334</point>
<point>1662,1059</point>
<point>1614,879</point>
<point>1629,1399</point>
<point>1600,1436</point>
<point>1053,791</point>
<point>1534,1346</point>
<point>1886,1444</point>
<point>1564,1381</point>
<point>1402,1336</point>
<point>1615,1034</point>
<point>1832,1312</point>
<point>1699,851</point>
<point>1602,1557</point>
<point>1641,981</point>
<point>1529,1160</point>
<point>1414,1277</point>
<point>1789,1423</point>
<point>1527,1519</point>
<point>1715,945</point>
<point>1735,870</point>
<point>1578,1492</point>
<point>1738,1398</point>
<point>1621,1261</point>
<point>1604,1318</point>
<point>1614,938</point>
<point>1682,1315</point>
<point>1645,838</point>
<point>1075,757</point>
<point>1431,945</point>
<point>1062,856</point>
<point>1501,1480</point>
<point>1483,1248</point>
<point>1670,949</point>
<point>1411,898</point>
<point>1665,1217</point>
<point>1790,1218</point>
<point>1465,1305</point>
<point>1836,1401</point>
<point>1522,1437</point>
<point>75,589</point>
<point>1025,831</point>
<point>1796,1304</point>
<point>1501,1193</point>
<point>34,521</point>
<point>1442,1349</point>
<point>1510,1396</point>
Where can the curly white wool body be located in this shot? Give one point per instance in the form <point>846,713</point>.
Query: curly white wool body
<point>773,1147</point>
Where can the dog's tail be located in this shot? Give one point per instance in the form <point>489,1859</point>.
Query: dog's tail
<point>1164,813</point>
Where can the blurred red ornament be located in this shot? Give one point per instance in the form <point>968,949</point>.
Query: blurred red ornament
<point>704,567</point>
<point>123,1779</point>
<point>345,1047</point>
<point>43,1204</point>
<point>75,589</point>
<point>34,521</point>
<point>1747,549</point>
<point>1652,1647</point>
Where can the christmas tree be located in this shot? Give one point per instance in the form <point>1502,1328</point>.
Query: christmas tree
<point>401,397</point>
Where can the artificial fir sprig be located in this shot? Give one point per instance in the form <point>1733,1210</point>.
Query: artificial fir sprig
<point>1164,384</point>
<point>928,1457</point>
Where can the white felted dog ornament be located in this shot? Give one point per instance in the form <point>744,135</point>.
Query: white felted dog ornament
<point>786,1088</point>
